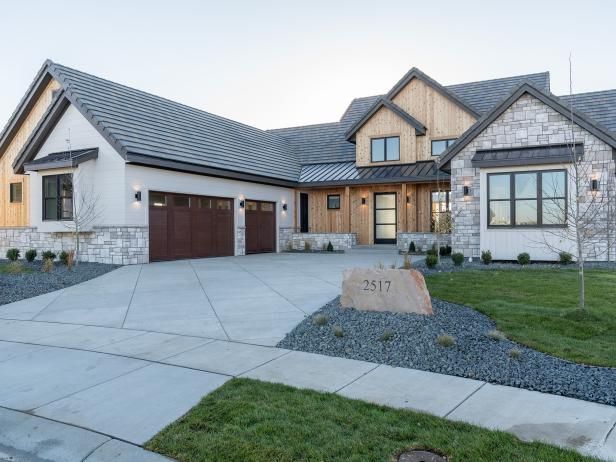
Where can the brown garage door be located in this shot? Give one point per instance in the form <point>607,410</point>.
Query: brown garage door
<point>187,226</point>
<point>260,227</point>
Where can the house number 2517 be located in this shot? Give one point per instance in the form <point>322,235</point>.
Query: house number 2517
<point>376,286</point>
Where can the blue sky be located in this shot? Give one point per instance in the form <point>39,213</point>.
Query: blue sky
<point>283,63</point>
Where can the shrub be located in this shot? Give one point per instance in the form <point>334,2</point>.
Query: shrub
<point>431,260</point>
<point>497,335</point>
<point>412,248</point>
<point>446,340</point>
<point>380,266</point>
<point>387,335</point>
<point>320,320</point>
<point>444,250</point>
<point>49,255</point>
<point>31,255</point>
<point>457,258</point>
<point>406,262</point>
<point>330,247</point>
<point>47,265</point>
<point>70,259</point>
<point>12,254</point>
<point>14,267</point>
<point>338,332</point>
<point>432,250</point>
<point>524,258</point>
<point>63,257</point>
<point>514,353</point>
<point>486,257</point>
<point>307,246</point>
<point>565,258</point>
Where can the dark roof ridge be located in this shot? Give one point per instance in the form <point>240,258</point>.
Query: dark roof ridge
<point>499,78</point>
<point>586,93</point>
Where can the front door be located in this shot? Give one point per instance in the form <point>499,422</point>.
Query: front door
<point>385,218</point>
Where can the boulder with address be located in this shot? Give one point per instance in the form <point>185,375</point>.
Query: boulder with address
<point>397,290</point>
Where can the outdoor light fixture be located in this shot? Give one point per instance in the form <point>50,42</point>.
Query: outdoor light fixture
<point>408,200</point>
<point>467,191</point>
<point>284,207</point>
<point>363,201</point>
<point>242,204</point>
<point>138,196</point>
<point>594,184</point>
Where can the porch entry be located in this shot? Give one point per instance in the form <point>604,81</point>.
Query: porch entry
<point>385,218</point>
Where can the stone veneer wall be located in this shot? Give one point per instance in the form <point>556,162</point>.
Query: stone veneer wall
<point>340,241</point>
<point>240,240</point>
<point>423,240</point>
<point>528,122</point>
<point>120,245</point>
<point>285,238</point>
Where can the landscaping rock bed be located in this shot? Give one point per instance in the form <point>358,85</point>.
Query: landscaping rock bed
<point>33,281</point>
<point>411,340</point>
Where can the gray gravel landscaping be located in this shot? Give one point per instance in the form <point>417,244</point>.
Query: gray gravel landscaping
<point>411,340</point>
<point>15,287</point>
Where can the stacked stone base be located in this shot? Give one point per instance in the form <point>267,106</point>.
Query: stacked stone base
<point>119,245</point>
<point>320,241</point>
<point>422,240</point>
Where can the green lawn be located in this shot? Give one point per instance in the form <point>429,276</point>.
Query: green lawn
<point>537,307</point>
<point>256,421</point>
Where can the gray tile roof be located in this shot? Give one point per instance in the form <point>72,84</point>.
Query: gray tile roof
<point>342,173</point>
<point>153,127</point>
<point>554,154</point>
<point>62,159</point>
<point>598,105</point>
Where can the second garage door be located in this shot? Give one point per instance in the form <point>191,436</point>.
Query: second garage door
<point>260,226</point>
<point>188,226</point>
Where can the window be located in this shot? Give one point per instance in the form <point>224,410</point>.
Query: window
<point>385,149</point>
<point>58,197</point>
<point>15,193</point>
<point>158,199</point>
<point>333,201</point>
<point>527,199</point>
<point>439,146</point>
<point>440,219</point>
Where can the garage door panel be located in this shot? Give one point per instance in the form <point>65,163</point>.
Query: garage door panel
<point>260,227</point>
<point>158,234</point>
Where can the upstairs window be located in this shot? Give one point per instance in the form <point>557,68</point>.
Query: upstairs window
<point>15,193</point>
<point>440,146</point>
<point>385,149</point>
<point>58,197</point>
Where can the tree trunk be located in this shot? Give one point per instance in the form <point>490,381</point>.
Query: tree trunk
<point>580,258</point>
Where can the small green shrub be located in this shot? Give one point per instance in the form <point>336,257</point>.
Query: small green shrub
<point>565,258</point>
<point>457,258</point>
<point>47,265</point>
<point>12,254</point>
<point>444,250</point>
<point>320,320</point>
<point>387,335</point>
<point>524,258</point>
<point>63,257</point>
<point>431,260</point>
<point>338,332</point>
<point>432,250</point>
<point>330,247</point>
<point>14,267</point>
<point>514,353</point>
<point>49,255</point>
<point>497,335</point>
<point>31,255</point>
<point>486,257</point>
<point>446,340</point>
<point>412,248</point>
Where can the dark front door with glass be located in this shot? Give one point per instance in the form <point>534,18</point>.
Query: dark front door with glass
<point>385,218</point>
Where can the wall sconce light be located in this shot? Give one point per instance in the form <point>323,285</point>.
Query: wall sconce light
<point>594,185</point>
<point>284,206</point>
<point>467,191</point>
<point>363,201</point>
<point>408,200</point>
<point>138,196</point>
<point>242,204</point>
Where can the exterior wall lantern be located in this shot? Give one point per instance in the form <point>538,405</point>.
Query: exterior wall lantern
<point>408,200</point>
<point>467,191</point>
<point>594,185</point>
<point>363,201</point>
<point>242,204</point>
<point>138,196</point>
<point>284,207</point>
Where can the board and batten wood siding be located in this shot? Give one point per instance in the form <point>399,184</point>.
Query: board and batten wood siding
<point>17,214</point>
<point>354,217</point>
<point>442,117</point>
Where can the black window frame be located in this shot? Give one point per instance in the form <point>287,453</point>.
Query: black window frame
<point>447,206</point>
<point>332,196</point>
<point>385,159</point>
<point>60,212</point>
<point>539,198</point>
<point>12,193</point>
<point>449,142</point>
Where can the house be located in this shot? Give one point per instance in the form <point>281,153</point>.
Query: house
<point>149,179</point>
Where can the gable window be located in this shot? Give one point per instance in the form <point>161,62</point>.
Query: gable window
<point>527,199</point>
<point>385,149</point>
<point>15,193</point>
<point>58,197</point>
<point>440,219</point>
<point>333,201</point>
<point>440,146</point>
